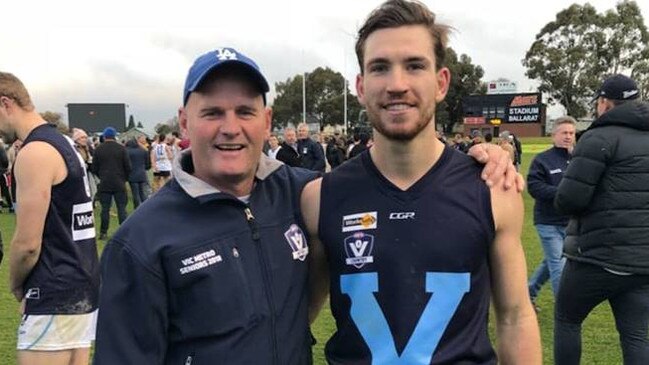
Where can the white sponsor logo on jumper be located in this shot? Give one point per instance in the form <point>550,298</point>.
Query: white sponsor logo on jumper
<point>555,171</point>
<point>83,222</point>
<point>359,221</point>
<point>402,215</point>
<point>200,261</point>
<point>33,293</point>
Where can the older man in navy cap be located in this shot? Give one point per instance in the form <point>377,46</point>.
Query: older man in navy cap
<point>607,246</point>
<point>213,267</point>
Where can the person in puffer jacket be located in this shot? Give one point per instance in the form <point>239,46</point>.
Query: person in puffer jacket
<point>606,191</point>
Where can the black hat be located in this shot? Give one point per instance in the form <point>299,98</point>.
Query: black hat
<point>618,87</point>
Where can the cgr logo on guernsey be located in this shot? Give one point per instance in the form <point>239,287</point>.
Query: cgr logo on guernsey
<point>359,221</point>
<point>402,215</point>
<point>296,239</point>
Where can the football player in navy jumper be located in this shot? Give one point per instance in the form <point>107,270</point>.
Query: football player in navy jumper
<point>412,242</point>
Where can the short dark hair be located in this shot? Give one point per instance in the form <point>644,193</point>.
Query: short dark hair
<point>398,13</point>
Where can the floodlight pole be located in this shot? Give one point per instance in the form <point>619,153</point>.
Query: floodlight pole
<point>304,98</point>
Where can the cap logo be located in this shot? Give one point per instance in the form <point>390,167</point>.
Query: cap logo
<point>224,54</point>
<point>628,94</point>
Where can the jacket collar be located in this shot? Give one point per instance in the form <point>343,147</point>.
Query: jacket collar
<point>183,169</point>
<point>632,114</point>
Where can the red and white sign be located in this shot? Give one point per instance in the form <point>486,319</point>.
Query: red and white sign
<point>474,120</point>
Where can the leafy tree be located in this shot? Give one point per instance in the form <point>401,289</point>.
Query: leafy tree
<point>465,80</point>
<point>167,127</point>
<point>56,119</point>
<point>139,125</point>
<point>641,76</point>
<point>626,39</point>
<point>574,53</point>
<point>52,117</point>
<point>131,122</point>
<point>324,99</point>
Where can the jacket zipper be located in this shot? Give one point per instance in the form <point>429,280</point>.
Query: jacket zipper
<point>266,277</point>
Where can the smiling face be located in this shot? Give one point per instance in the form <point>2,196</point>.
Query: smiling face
<point>227,124</point>
<point>400,85</point>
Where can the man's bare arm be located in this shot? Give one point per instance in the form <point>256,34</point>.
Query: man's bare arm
<point>517,327</point>
<point>318,269</point>
<point>38,167</point>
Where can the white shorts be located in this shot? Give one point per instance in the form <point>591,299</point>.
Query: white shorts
<point>56,332</point>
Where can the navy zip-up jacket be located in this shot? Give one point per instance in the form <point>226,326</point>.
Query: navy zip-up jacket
<point>196,276</point>
<point>543,178</point>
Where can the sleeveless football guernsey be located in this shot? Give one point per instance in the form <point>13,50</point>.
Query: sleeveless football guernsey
<point>410,279</point>
<point>65,279</point>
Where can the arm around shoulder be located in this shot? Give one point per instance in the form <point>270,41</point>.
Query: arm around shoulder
<point>517,327</point>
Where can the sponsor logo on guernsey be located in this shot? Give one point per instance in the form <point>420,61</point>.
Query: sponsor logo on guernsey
<point>33,293</point>
<point>402,215</point>
<point>199,261</point>
<point>83,222</point>
<point>358,248</point>
<point>555,171</point>
<point>296,239</point>
<point>359,221</point>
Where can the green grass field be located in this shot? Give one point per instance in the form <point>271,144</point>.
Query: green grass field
<point>600,340</point>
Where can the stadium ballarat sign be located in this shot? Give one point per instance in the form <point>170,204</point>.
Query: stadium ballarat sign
<point>525,109</point>
<point>506,108</point>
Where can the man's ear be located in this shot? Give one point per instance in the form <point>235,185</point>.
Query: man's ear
<point>443,83</point>
<point>360,89</point>
<point>182,121</point>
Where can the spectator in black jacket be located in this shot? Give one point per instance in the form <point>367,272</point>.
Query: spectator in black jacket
<point>335,152</point>
<point>606,191</point>
<point>112,165</point>
<point>311,153</point>
<point>288,151</point>
<point>544,176</point>
<point>137,179</point>
<point>361,146</point>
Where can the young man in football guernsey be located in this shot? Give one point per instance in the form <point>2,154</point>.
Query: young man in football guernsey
<point>54,268</point>
<point>412,241</point>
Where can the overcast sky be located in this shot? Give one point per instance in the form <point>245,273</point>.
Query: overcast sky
<point>138,52</point>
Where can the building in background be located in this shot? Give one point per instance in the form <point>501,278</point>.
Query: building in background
<point>94,117</point>
<point>523,114</point>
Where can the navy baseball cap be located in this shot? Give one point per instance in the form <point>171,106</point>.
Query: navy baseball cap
<point>210,61</point>
<point>618,87</point>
